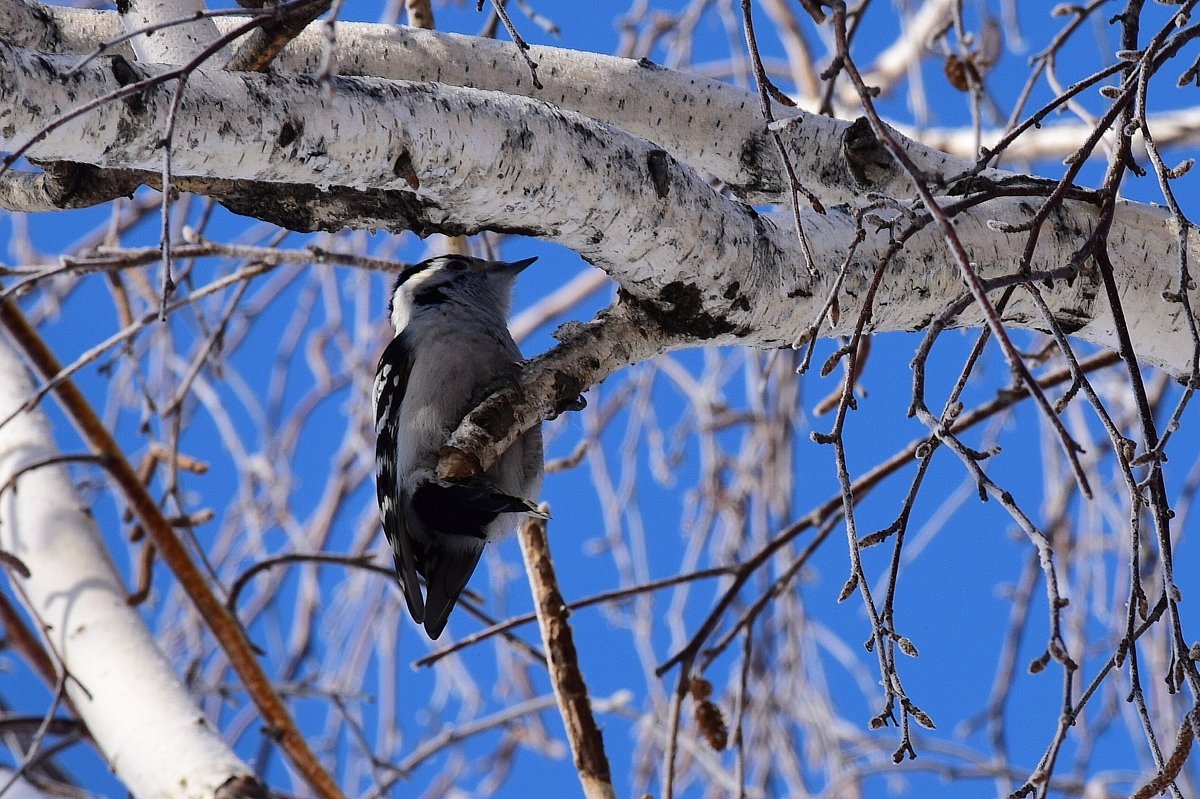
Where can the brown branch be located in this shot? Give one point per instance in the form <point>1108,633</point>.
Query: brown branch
<point>615,595</point>
<point>225,628</point>
<point>587,744</point>
<point>262,45</point>
<point>1175,763</point>
<point>420,14</point>
<point>298,557</point>
<point>21,638</point>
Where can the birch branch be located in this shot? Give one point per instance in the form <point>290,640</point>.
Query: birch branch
<point>173,44</point>
<point>725,140</point>
<point>1179,127</point>
<point>708,124</point>
<point>462,160</point>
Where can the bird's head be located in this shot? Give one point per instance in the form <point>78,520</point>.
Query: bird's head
<point>472,283</point>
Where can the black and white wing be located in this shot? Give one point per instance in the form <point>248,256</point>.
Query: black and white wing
<point>391,383</point>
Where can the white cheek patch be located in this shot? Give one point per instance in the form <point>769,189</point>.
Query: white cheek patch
<point>402,310</point>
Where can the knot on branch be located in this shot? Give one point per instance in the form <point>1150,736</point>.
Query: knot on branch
<point>678,310</point>
<point>243,786</point>
<point>869,162</point>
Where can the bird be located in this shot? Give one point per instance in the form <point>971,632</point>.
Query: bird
<point>452,347</point>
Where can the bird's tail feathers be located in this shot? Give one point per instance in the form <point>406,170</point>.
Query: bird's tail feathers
<point>406,575</point>
<point>517,505</point>
<point>443,533</point>
<point>447,570</point>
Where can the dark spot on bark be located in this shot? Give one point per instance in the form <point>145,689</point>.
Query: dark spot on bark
<point>51,70</point>
<point>679,310</point>
<point>305,208</point>
<point>754,179</point>
<point>126,75</point>
<point>1071,320</point>
<point>646,63</point>
<point>749,157</point>
<point>740,303</point>
<point>71,185</point>
<point>521,139</point>
<point>51,37</point>
<point>586,134</point>
<point>342,85</point>
<point>288,133</point>
<point>318,150</point>
<point>404,168</point>
<point>869,162</point>
<point>496,418</point>
<point>659,163</point>
<point>122,6</point>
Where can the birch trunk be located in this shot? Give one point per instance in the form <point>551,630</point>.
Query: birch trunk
<point>156,740</point>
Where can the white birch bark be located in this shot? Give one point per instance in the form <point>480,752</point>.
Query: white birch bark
<point>170,44</point>
<point>711,125</point>
<point>485,160</point>
<point>1178,127</point>
<point>154,737</point>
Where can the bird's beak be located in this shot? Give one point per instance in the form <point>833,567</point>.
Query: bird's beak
<point>515,268</point>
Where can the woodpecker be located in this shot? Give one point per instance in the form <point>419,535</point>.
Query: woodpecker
<point>452,347</point>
